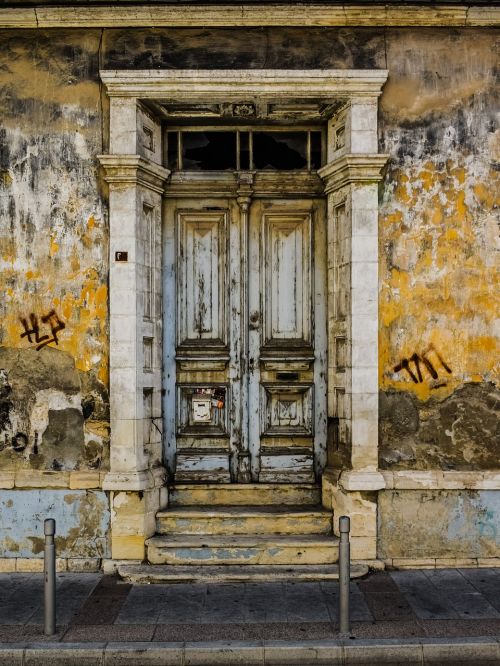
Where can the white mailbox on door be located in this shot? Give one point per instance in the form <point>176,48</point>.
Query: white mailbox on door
<point>202,409</point>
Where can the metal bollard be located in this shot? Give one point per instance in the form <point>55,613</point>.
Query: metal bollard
<point>344,575</point>
<point>49,570</point>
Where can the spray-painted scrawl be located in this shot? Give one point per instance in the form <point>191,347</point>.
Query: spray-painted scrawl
<point>33,329</point>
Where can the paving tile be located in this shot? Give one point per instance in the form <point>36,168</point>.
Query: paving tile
<point>359,610</point>
<point>71,593</point>
<point>305,603</point>
<point>142,606</point>
<point>182,609</point>
<point>265,603</point>
<point>104,604</point>
<point>10,584</point>
<point>389,606</point>
<point>224,603</point>
<point>461,594</point>
<point>426,601</point>
<point>485,581</point>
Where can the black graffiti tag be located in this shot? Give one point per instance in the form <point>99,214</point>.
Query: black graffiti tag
<point>417,362</point>
<point>32,329</point>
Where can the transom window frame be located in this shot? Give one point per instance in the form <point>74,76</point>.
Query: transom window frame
<point>249,129</point>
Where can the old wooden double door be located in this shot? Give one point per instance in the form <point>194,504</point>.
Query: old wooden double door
<point>245,328</point>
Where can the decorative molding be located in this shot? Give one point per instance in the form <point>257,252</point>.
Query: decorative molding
<point>203,85</point>
<point>442,563</point>
<point>353,168</point>
<point>35,478</point>
<point>248,15</point>
<point>133,170</point>
<point>145,480</point>
<point>362,480</point>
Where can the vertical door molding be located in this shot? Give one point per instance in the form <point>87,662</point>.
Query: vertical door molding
<point>351,176</point>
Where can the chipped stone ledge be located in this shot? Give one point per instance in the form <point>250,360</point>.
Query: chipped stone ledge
<point>440,480</point>
<point>35,564</point>
<point>244,15</point>
<point>27,478</point>
<point>442,563</point>
<point>135,481</point>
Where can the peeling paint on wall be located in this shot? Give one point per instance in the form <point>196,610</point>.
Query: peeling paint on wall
<point>440,252</point>
<point>82,522</point>
<point>439,229</point>
<point>53,255</point>
<point>432,523</point>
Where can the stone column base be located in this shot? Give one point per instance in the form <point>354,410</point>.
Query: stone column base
<point>356,498</point>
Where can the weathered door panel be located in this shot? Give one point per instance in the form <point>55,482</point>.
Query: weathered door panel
<point>287,358</point>
<point>199,360</point>
<point>245,317</point>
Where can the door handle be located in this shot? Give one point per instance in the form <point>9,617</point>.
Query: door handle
<point>254,320</point>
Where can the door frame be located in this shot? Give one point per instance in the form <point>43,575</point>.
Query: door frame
<point>136,178</point>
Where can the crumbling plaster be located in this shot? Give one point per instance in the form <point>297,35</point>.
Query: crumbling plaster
<point>438,228</point>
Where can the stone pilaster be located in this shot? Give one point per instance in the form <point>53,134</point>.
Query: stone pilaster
<point>136,474</point>
<point>351,176</point>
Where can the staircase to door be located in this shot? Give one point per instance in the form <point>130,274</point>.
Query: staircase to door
<point>240,532</point>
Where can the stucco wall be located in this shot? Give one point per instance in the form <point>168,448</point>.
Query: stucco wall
<point>439,235</point>
<point>420,524</point>
<point>82,523</point>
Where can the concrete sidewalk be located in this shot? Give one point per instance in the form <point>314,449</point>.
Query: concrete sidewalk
<point>433,616</point>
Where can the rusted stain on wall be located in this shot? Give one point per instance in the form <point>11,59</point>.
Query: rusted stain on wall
<point>53,254</point>
<point>440,243</point>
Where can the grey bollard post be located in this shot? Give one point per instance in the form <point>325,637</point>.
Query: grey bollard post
<point>344,575</point>
<point>49,571</point>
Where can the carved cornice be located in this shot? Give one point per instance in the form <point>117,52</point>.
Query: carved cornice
<point>116,15</point>
<point>134,170</point>
<point>199,85</point>
<point>352,168</point>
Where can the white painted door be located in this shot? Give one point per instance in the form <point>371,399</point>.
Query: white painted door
<point>245,337</point>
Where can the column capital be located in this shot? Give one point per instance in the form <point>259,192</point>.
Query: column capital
<point>133,170</point>
<point>353,168</point>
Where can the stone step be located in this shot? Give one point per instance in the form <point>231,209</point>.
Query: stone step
<point>230,494</point>
<point>250,549</point>
<point>236,573</point>
<point>244,520</point>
